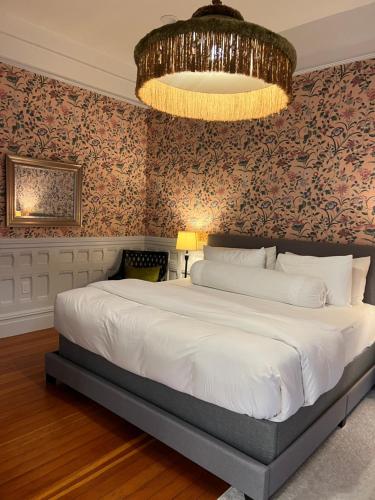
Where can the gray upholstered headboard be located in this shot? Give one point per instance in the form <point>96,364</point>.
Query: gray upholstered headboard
<point>303,247</point>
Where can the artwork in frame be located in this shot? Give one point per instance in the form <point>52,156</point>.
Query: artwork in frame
<point>42,192</point>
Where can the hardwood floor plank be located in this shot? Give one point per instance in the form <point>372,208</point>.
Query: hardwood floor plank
<point>94,470</point>
<point>157,465</point>
<point>106,478</point>
<point>55,443</point>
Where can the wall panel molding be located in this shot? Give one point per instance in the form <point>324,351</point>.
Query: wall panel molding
<point>33,271</point>
<point>70,242</point>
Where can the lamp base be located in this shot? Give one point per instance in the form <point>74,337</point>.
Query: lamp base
<point>186,262</point>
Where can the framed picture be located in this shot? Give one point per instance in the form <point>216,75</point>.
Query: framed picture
<point>42,192</point>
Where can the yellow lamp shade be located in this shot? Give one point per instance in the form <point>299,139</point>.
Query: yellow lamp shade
<point>188,240</point>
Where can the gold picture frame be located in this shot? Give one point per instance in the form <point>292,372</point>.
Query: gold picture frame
<point>42,192</point>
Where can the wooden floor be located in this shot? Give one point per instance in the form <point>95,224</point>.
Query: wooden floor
<point>55,443</point>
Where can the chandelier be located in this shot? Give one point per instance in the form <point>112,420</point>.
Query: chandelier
<point>215,66</point>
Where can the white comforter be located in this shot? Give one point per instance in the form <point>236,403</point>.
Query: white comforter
<point>259,364</point>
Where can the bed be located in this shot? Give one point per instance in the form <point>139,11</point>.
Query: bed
<point>256,455</point>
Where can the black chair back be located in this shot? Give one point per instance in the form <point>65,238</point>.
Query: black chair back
<point>143,258</point>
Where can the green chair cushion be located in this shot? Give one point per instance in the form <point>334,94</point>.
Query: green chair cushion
<point>142,273</point>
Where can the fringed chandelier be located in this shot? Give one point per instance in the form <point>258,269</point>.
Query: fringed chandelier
<point>215,66</point>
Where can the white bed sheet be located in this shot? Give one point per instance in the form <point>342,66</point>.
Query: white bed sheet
<point>223,348</point>
<point>356,323</point>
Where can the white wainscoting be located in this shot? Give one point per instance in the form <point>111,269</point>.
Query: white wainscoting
<point>33,271</point>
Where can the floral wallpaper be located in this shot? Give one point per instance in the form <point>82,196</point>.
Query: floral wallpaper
<point>306,173</point>
<point>44,118</point>
<point>44,192</point>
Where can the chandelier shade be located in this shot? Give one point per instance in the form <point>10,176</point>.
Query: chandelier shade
<point>215,66</point>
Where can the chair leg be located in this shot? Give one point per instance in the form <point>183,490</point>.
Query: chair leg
<point>342,423</point>
<point>50,379</point>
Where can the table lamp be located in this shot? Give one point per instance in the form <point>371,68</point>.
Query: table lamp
<point>187,240</point>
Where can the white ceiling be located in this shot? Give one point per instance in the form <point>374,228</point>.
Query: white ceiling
<point>91,42</point>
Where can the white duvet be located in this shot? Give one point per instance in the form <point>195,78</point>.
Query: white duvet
<point>256,363</point>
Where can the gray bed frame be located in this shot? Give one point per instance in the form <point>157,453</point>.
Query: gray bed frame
<point>256,480</point>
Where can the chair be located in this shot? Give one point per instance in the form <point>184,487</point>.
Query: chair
<point>143,258</point>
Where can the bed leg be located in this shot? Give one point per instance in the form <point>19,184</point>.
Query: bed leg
<point>50,379</point>
<point>342,423</point>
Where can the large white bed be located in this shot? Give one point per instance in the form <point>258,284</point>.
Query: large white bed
<point>246,387</point>
<point>256,357</point>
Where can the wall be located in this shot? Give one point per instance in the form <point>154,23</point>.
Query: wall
<point>306,173</point>
<point>34,270</point>
<point>44,118</point>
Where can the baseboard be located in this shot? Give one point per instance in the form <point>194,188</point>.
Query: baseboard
<point>25,321</point>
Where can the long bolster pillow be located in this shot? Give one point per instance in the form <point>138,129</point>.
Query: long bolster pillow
<point>303,291</point>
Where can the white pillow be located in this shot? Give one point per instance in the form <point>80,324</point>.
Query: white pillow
<point>270,257</point>
<point>360,270</point>
<point>336,272</point>
<point>240,256</point>
<point>302,291</point>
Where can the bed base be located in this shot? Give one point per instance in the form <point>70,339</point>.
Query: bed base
<point>256,480</point>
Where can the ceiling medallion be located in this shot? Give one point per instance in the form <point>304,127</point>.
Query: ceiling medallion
<point>215,66</point>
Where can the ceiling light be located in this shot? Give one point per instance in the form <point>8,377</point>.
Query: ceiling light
<point>215,66</point>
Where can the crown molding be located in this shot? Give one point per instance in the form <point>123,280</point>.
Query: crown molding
<point>36,49</point>
<point>133,100</point>
<point>71,81</point>
<point>335,63</point>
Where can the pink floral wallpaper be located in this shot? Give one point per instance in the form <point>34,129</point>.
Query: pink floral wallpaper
<point>306,173</point>
<point>44,118</point>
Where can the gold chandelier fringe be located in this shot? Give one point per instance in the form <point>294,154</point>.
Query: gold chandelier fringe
<point>214,107</point>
